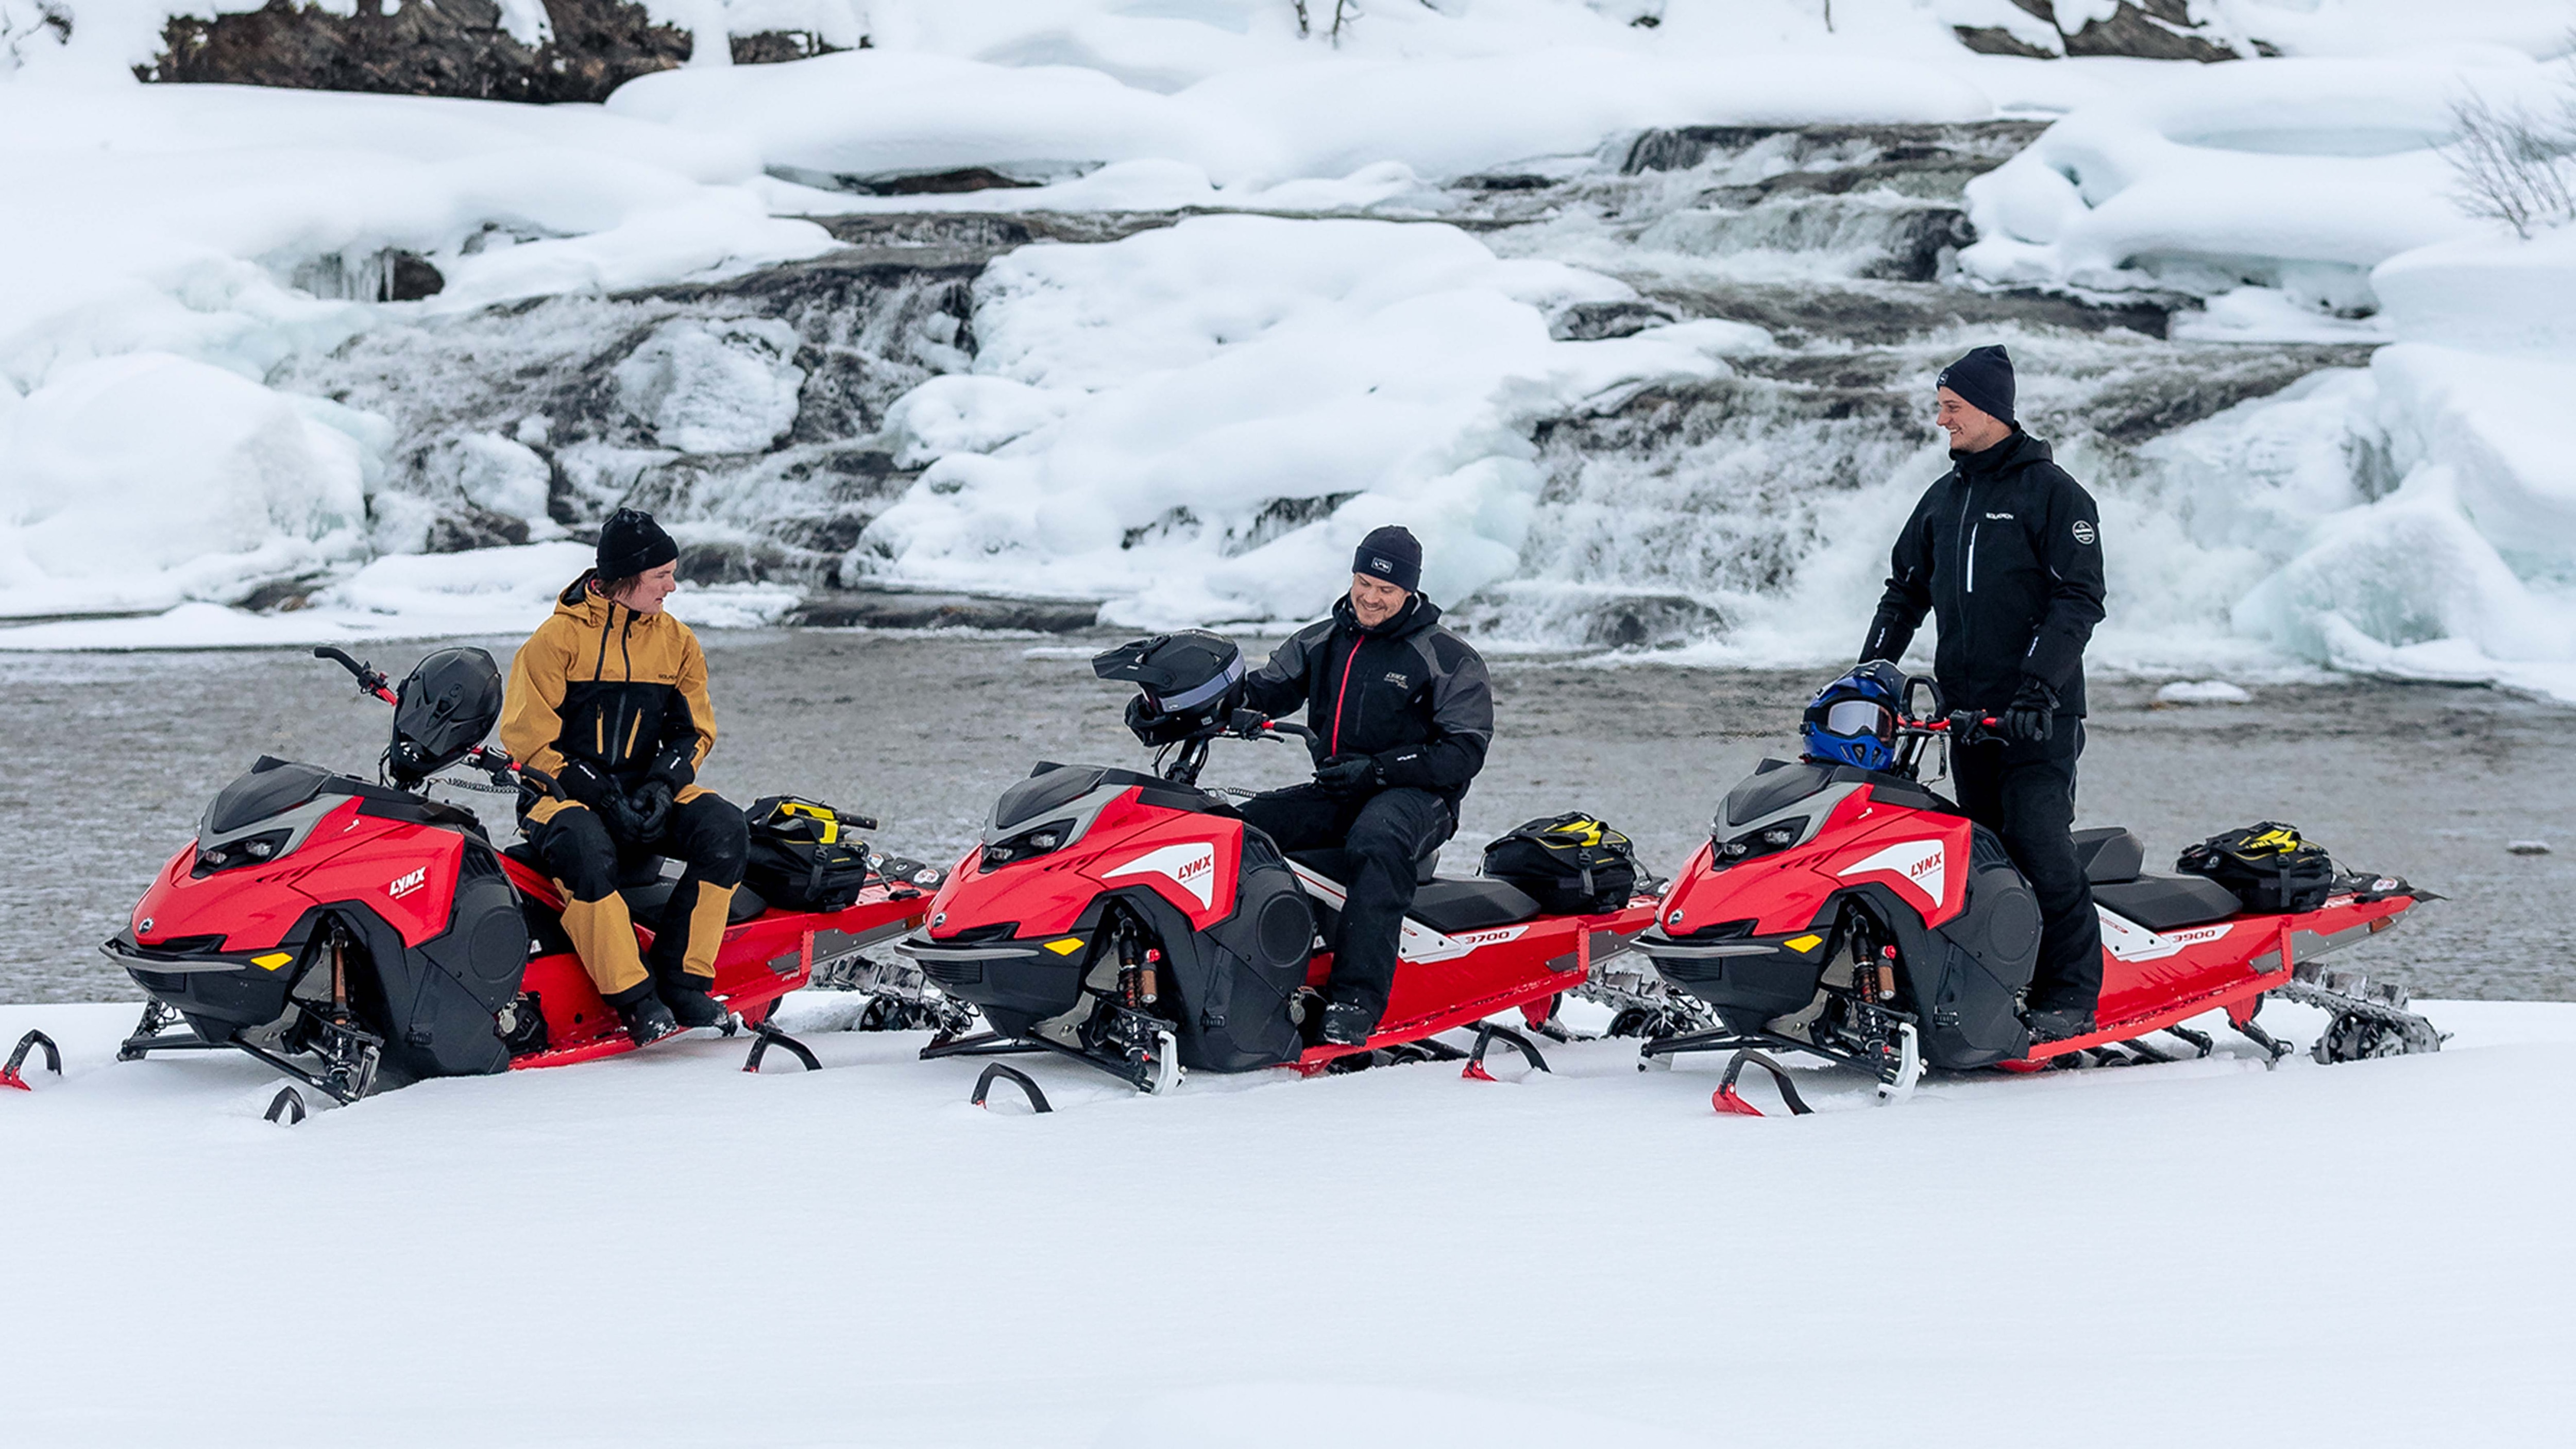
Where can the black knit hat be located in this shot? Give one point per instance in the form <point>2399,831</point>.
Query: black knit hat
<point>1984,380</point>
<point>1393,554</point>
<point>631,543</point>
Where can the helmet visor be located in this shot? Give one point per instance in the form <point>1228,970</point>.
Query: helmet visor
<point>1859,717</point>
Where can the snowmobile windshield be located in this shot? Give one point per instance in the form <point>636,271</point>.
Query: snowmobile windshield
<point>1049,786</point>
<point>1774,789</point>
<point>272,787</point>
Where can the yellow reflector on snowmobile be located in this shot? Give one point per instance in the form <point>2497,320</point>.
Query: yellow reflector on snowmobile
<point>1803,944</point>
<point>272,960</point>
<point>1065,947</point>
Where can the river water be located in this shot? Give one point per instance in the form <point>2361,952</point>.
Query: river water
<point>112,757</point>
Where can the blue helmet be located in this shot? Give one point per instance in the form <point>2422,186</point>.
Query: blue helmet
<point>1852,721</point>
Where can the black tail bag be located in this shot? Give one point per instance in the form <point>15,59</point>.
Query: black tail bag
<point>2267,865</point>
<point>805,855</point>
<point>1571,864</point>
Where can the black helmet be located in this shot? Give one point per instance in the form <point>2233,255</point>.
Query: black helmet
<point>444,707</point>
<point>1191,674</point>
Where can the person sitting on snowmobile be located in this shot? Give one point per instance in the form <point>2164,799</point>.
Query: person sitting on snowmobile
<point>2005,551</point>
<point>1402,713</point>
<point>609,697</point>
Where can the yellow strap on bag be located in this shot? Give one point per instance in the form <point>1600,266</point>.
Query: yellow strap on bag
<point>2280,839</point>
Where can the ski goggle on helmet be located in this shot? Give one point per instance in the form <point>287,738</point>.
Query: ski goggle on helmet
<point>1852,721</point>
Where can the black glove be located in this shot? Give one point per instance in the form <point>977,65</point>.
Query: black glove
<point>581,781</point>
<point>2032,715</point>
<point>1347,774</point>
<point>649,810</point>
<point>673,769</point>
<point>1153,727</point>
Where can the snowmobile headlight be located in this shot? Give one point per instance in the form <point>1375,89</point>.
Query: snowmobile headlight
<point>1769,840</point>
<point>249,850</point>
<point>1028,844</point>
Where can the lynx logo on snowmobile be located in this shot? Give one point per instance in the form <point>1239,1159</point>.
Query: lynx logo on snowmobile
<point>1921,865</point>
<point>404,885</point>
<point>2083,531</point>
<point>1191,867</point>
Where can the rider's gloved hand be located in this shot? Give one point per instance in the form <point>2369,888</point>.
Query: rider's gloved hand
<point>649,809</point>
<point>673,769</point>
<point>581,781</point>
<point>2032,715</point>
<point>1347,774</point>
<point>1152,726</point>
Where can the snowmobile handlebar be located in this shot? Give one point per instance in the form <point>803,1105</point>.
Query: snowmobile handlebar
<point>1966,727</point>
<point>370,678</point>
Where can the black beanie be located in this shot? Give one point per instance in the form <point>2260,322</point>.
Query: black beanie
<point>1391,553</point>
<point>631,543</point>
<point>1984,380</point>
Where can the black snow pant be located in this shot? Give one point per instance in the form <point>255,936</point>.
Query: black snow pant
<point>1383,835</point>
<point>588,856</point>
<point>2025,793</point>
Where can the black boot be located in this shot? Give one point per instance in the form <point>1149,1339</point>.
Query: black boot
<point>647,1019</point>
<point>2049,1024</point>
<point>687,997</point>
<point>1347,1025</point>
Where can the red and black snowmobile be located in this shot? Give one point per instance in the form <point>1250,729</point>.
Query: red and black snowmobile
<point>1135,923</point>
<point>357,935</point>
<point>1855,915</point>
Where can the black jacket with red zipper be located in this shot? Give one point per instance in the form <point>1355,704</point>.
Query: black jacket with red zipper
<point>1407,693</point>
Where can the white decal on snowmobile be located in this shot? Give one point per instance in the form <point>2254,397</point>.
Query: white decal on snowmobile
<point>1191,867</point>
<point>2129,941</point>
<point>1920,865</point>
<point>404,885</point>
<point>1473,939</point>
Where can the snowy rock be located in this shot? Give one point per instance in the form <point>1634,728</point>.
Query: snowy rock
<point>518,50</point>
<point>140,480</point>
<point>2146,30</point>
<point>2203,691</point>
<point>2527,847</point>
<point>714,387</point>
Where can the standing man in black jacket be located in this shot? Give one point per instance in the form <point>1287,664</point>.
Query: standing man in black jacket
<point>1402,712</point>
<point>2006,550</point>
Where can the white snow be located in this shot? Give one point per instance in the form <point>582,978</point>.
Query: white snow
<point>1139,404</point>
<point>2202,691</point>
<point>2371,1253</point>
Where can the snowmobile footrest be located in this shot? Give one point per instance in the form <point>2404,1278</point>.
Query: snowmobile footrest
<point>765,1036</point>
<point>9,1076</point>
<point>287,1104</point>
<point>1488,1034</point>
<point>999,1071</point>
<point>1727,1099</point>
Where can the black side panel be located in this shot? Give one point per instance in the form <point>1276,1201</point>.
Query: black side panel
<point>1240,974</point>
<point>1748,991</point>
<point>435,1003</point>
<point>1969,979</point>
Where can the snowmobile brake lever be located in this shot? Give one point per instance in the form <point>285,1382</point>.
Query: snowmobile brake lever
<point>9,1076</point>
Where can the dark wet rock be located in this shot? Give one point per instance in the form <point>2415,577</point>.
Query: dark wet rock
<point>738,562</point>
<point>1842,158</point>
<point>280,596</point>
<point>462,526</point>
<point>2146,30</point>
<point>409,278</point>
<point>1594,321</point>
<point>773,47</point>
<point>892,609</point>
<point>452,48</point>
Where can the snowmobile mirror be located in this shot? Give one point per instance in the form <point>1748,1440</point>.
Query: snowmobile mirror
<point>1924,685</point>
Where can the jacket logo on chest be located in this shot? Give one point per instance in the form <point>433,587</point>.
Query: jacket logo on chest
<point>1999,516</point>
<point>1395,676</point>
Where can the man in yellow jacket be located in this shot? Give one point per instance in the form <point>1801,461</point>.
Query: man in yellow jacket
<point>609,696</point>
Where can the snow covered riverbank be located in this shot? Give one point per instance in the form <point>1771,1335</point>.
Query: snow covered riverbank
<point>1469,295</point>
<point>661,1250</point>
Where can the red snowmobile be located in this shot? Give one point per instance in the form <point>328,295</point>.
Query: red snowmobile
<point>358,935</point>
<point>1133,922</point>
<point>1852,914</point>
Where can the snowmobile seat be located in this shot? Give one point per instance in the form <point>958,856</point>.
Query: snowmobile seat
<point>2168,902</point>
<point>2112,853</point>
<point>1472,904</point>
<point>645,902</point>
